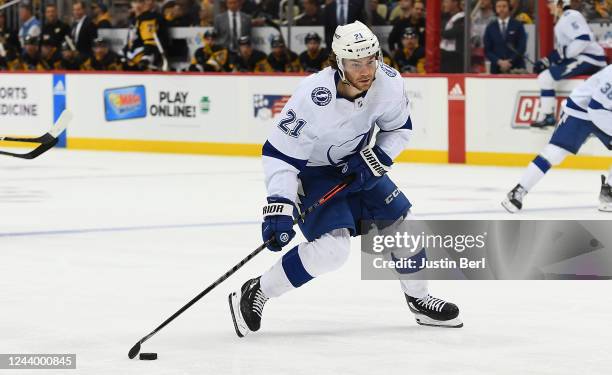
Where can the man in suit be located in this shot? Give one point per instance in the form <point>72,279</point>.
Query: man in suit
<point>83,30</point>
<point>341,12</point>
<point>232,25</point>
<point>505,41</point>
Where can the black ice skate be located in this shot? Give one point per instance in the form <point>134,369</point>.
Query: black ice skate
<point>605,196</point>
<point>430,311</point>
<point>514,201</point>
<point>246,306</point>
<point>548,120</point>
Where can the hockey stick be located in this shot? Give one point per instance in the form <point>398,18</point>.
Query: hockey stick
<point>47,141</point>
<point>160,48</point>
<point>521,55</point>
<point>335,190</point>
<point>9,4</point>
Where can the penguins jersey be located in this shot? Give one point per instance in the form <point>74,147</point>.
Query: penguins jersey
<point>592,100</point>
<point>317,127</point>
<point>575,40</point>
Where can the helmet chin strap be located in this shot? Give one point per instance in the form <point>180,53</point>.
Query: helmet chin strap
<point>345,80</point>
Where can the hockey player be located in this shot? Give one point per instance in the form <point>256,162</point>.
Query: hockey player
<point>70,58</point>
<point>314,58</point>
<point>324,133</point>
<point>588,111</point>
<point>30,58</point>
<point>411,57</point>
<point>211,57</point>
<point>249,59</point>
<point>577,53</point>
<point>102,58</point>
<point>142,51</point>
<point>281,59</point>
<point>50,57</point>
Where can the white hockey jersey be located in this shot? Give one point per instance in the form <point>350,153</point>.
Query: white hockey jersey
<point>592,100</point>
<point>317,127</point>
<point>575,40</point>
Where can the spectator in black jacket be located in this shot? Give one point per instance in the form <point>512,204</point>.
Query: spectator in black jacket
<point>53,27</point>
<point>83,30</point>
<point>452,42</point>
<point>414,18</point>
<point>312,15</point>
<point>505,41</point>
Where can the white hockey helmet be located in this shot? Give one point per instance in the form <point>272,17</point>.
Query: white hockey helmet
<point>564,3</point>
<point>354,41</point>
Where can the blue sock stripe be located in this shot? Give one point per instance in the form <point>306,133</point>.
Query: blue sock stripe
<point>547,92</point>
<point>542,163</point>
<point>418,258</point>
<point>294,268</point>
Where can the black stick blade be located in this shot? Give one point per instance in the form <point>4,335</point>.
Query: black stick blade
<point>134,351</point>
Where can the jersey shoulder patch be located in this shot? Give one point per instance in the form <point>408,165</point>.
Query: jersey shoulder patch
<point>321,96</point>
<point>388,70</point>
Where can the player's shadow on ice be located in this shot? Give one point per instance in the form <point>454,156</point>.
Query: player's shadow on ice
<point>342,331</point>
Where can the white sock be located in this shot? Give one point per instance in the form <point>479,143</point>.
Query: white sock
<point>274,282</point>
<point>547,106</point>
<point>531,176</point>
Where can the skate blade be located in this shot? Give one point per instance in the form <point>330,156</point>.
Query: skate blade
<point>427,321</point>
<point>605,207</point>
<point>239,324</point>
<point>509,206</point>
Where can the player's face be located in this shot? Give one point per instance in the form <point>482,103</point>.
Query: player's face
<point>31,49</point>
<point>360,72</point>
<point>100,52</point>
<point>245,50</point>
<point>67,54</point>
<point>313,46</point>
<point>46,51</point>
<point>277,50</point>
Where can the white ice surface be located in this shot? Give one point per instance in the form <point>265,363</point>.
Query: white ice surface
<point>97,249</point>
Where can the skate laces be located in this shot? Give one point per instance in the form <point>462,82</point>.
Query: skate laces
<point>431,303</point>
<point>518,192</point>
<point>258,302</point>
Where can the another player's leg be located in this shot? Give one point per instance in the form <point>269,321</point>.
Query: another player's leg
<point>567,139</point>
<point>551,155</point>
<point>546,115</point>
<point>385,203</point>
<point>605,194</point>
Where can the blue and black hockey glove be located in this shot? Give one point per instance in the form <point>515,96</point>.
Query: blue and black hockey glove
<point>278,222</point>
<point>541,65</point>
<point>368,166</point>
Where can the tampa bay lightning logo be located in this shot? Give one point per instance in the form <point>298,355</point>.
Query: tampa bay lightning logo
<point>337,154</point>
<point>388,70</point>
<point>284,237</point>
<point>321,96</point>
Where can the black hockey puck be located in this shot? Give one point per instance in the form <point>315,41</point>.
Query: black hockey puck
<point>148,356</point>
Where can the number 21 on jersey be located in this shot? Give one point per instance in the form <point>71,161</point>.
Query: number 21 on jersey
<point>287,124</point>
